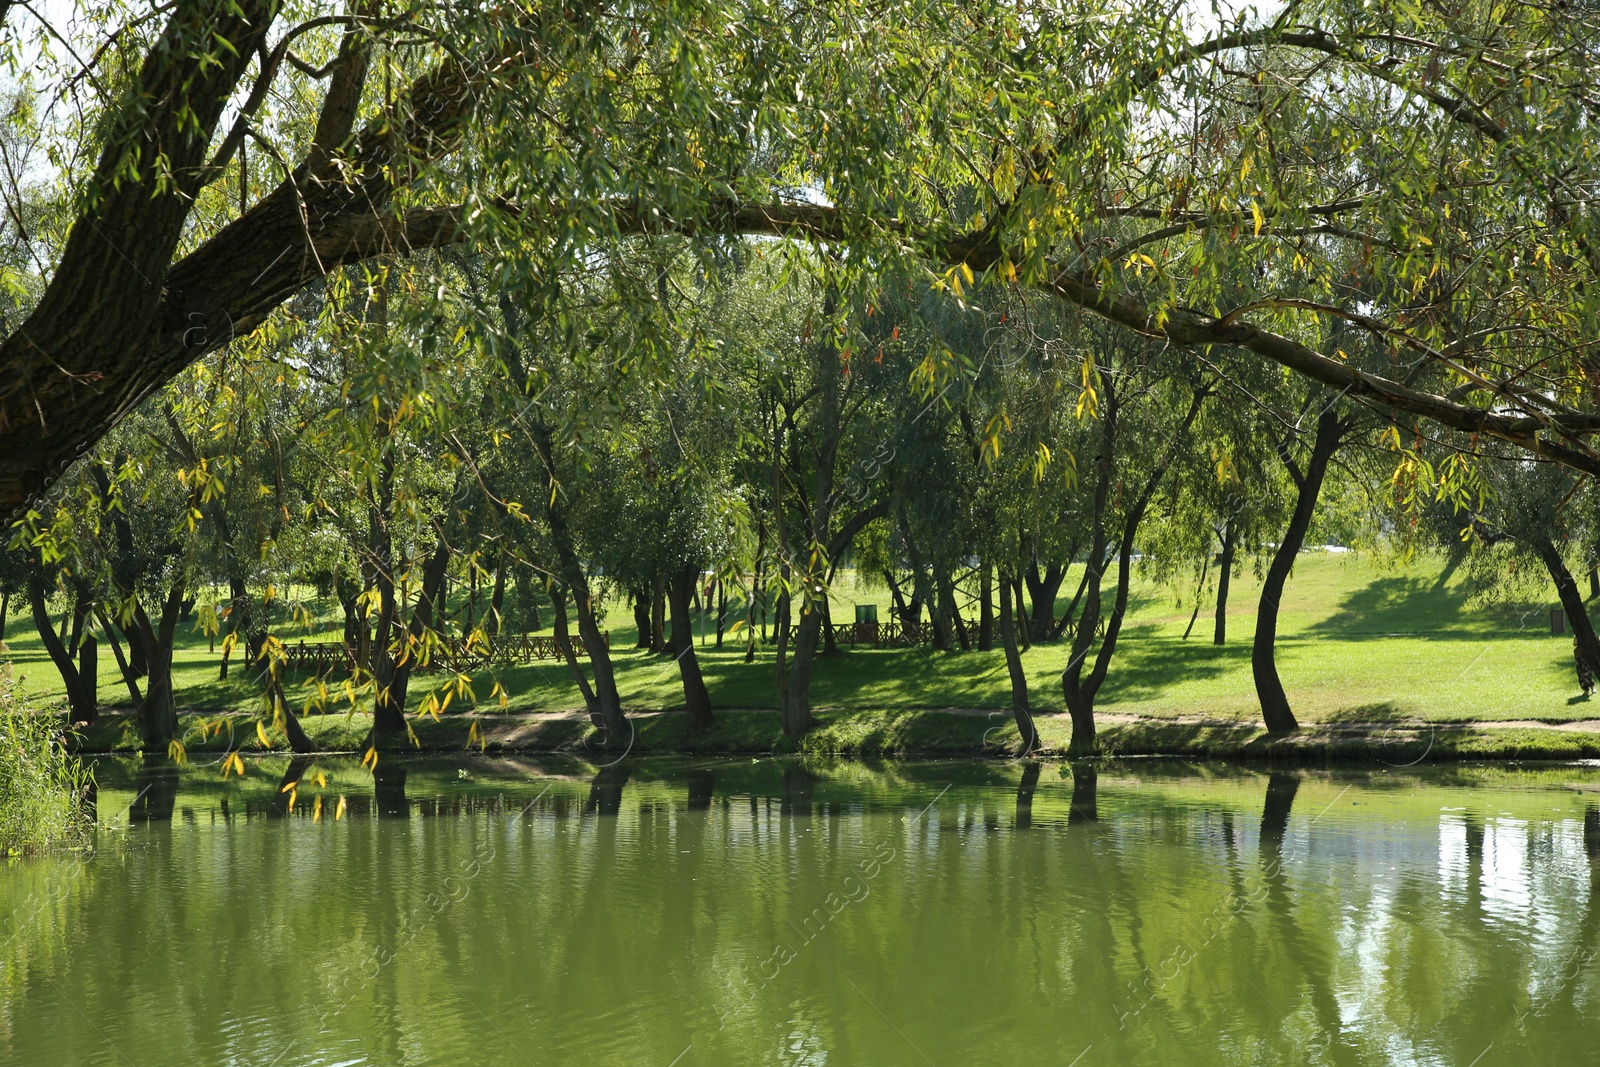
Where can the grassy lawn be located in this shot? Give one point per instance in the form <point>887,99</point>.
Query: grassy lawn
<point>1359,640</point>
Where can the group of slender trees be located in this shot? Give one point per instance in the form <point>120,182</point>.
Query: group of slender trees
<point>429,305</point>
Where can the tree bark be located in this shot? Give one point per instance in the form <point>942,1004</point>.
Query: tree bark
<point>1199,590</point>
<point>696,701</point>
<point>1019,678</point>
<point>1230,544</point>
<point>722,610</point>
<point>396,658</point>
<point>1275,709</point>
<point>1042,591</point>
<point>1025,638</point>
<point>658,615</point>
<point>1081,692</point>
<point>780,626</point>
<point>901,608</point>
<point>238,620</point>
<point>641,618</point>
<point>1583,632</point>
<point>80,702</point>
<point>563,638</point>
<point>1080,704</point>
<point>497,600</point>
<point>89,675</point>
<point>128,676</point>
<point>157,713</point>
<point>986,607</point>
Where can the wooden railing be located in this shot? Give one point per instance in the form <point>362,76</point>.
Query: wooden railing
<point>327,657</point>
<point>889,634</point>
<point>457,654</point>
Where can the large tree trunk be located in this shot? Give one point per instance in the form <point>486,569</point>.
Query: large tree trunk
<point>1080,703</point>
<point>1042,591</point>
<point>397,657</point>
<point>388,714</point>
<point>355,640</point>
<point>1071,611</point>
<point>641,618</point>
<point>158,713</point>
<point>283,715</point>
<point>608,700</point>
<point>89,674</point>
<point>1230,544</point>
<point>1019,678</point>
<point>797,709</point>
<point>80,700</point>
<point>238,620</point>
<point>1081,692</point>
<point>1269,688</point>
<point>902,609</point>
<point>497,600</point>
<point>780,626</point>
<point>696,702</point>
<point>112,301</point>
<point>1588,645</point>
<point>128,676</point>
<point>658,615</point>
<point>563,637</point>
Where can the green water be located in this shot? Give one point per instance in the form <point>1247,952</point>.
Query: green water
<point>745,912</point>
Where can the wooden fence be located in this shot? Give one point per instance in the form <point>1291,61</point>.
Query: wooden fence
<point>891,634</point>
<point>327,657</point>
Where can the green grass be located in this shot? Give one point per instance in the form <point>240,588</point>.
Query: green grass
<point>872,733</point>
<point>41,783</point>
<point>1359,641</point>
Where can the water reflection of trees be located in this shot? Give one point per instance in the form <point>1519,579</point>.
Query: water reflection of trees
<point>1159,919</point>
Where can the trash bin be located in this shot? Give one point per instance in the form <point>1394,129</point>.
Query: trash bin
<point>1558,620</point>
<point>866,624</point>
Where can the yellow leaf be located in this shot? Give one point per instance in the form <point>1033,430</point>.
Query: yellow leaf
<point>338,812</point>
<point>1255,213</point>
<point>316,811</point>
<point>261,735</point>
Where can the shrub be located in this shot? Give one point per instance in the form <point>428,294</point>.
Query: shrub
<point>41,784</point>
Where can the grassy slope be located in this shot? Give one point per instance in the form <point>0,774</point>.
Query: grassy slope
<point>1359,640</point>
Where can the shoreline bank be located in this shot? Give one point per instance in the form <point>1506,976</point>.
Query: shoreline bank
<point>900,733</point>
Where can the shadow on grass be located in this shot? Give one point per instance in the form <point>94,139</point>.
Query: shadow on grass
<point>1383,711</point>
<point>1420,607</point>
<point>1149,664</point>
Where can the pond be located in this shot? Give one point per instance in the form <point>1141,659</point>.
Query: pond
<point>673,913</point>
